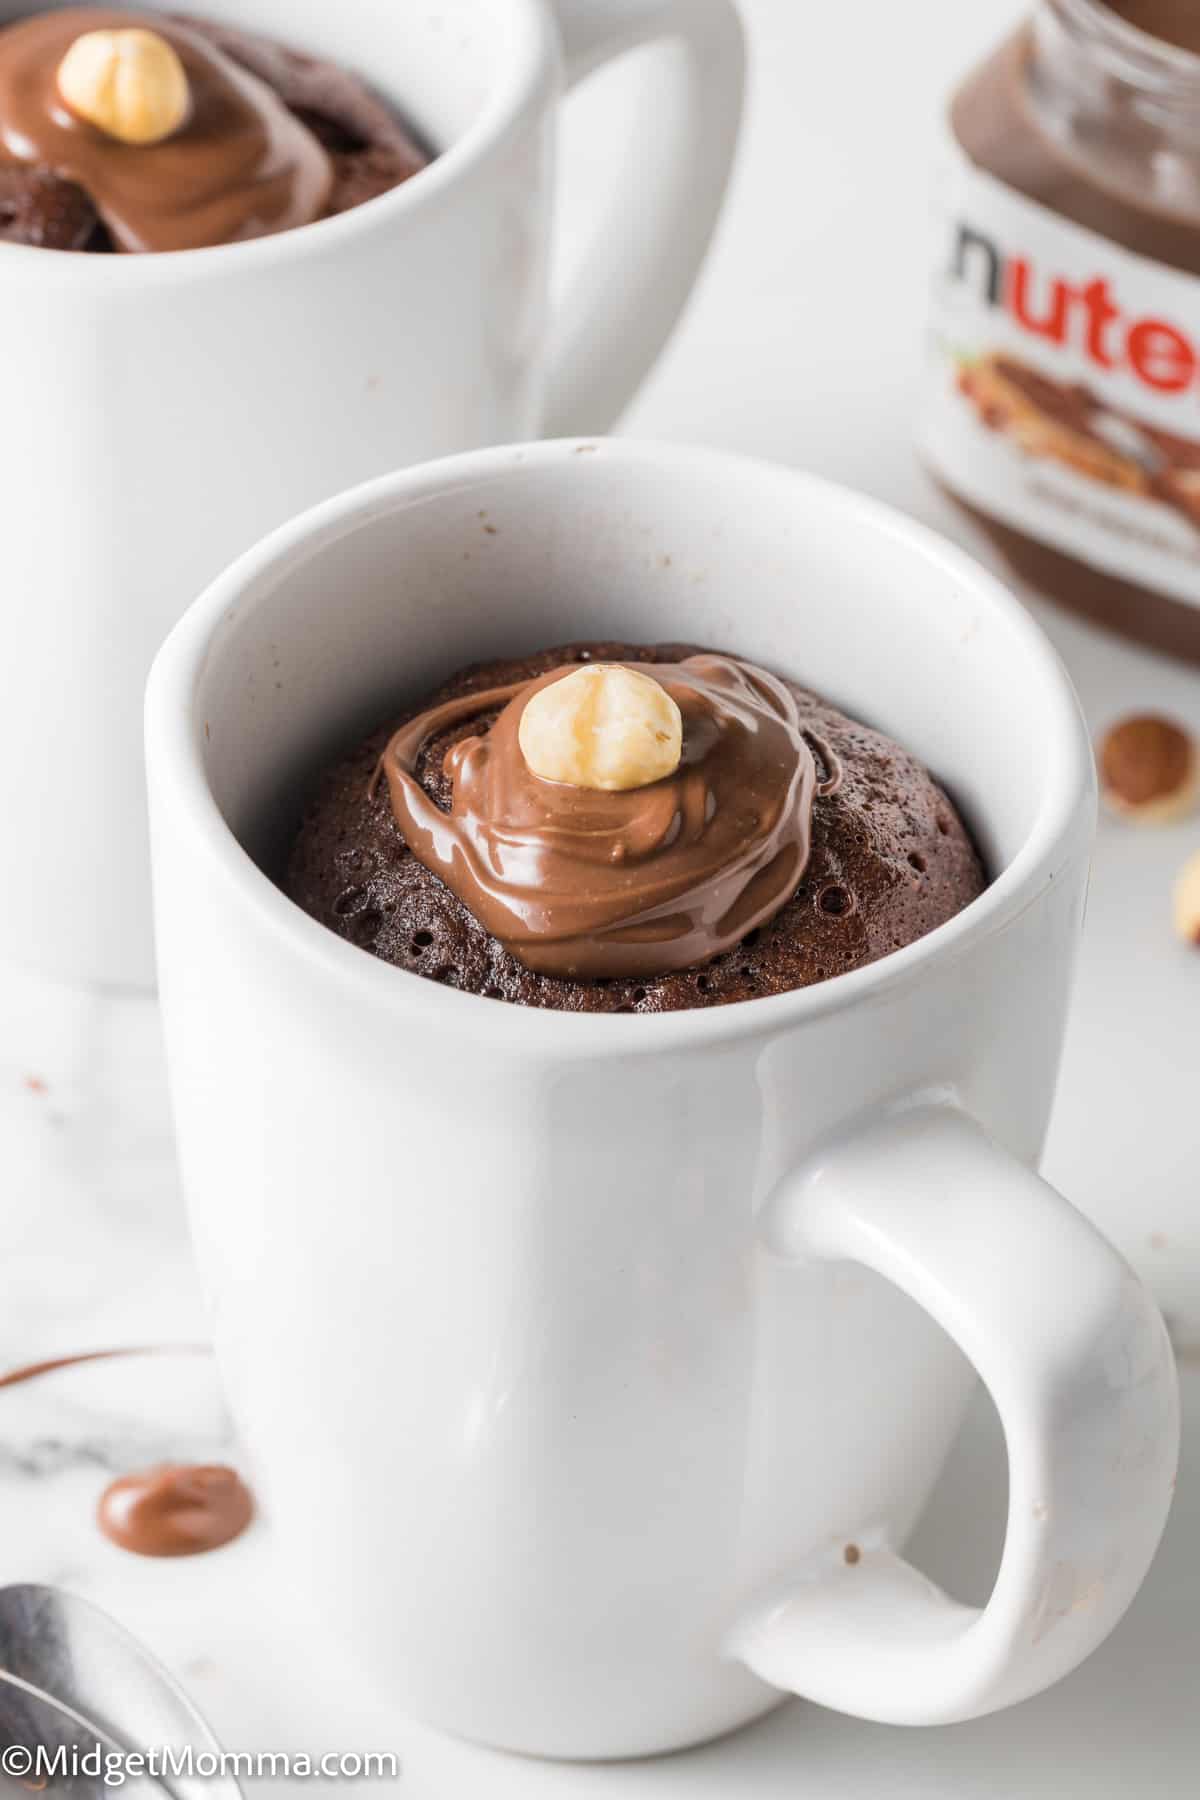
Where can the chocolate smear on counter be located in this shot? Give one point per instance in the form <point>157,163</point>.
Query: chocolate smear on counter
<point>31,1371</point>
<point>177,1509</point>
<point>174,1509</point>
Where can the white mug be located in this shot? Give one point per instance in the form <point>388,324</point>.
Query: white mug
<point>165,411</point>
<point>596,1369</point>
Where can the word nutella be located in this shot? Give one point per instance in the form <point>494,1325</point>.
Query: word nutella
<point>1085,316</point>
<point>1062,394</point>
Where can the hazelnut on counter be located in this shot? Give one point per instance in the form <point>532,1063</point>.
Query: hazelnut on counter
<point>130,84</point>
<point>602,726</point>
<point>1149,769</point>
<point>1187,901</point>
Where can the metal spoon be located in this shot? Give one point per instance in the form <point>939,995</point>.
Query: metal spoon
<point>32,1721</point>
<point>66,1667</point>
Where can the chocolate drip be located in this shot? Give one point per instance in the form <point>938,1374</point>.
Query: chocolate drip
<point>31,1371</point>
<point>241,166</point>
<point>175,1510</point>
<point>576,882</point>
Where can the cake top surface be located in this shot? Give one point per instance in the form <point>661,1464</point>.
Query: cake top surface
<point>888,858</point>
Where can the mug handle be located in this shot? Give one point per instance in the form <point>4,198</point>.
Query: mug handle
<point>621,306</point>
<point>1077,1360</point>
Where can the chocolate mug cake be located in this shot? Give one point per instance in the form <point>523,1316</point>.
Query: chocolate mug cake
<point>118,137</point>
<point>609,827</point>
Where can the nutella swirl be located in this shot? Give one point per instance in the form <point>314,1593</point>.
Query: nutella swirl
<point>584,883</point>
<point>241,165</point>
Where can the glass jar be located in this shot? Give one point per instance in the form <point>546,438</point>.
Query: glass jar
<point>1062,404</point>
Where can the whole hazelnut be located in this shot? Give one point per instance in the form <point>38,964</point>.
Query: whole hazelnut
<point>130,84</point>
<point>1187,901</point>
<point>602,726</point>
<point>1149,770</point>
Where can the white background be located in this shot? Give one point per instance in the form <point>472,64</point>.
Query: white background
<point>803,343</point>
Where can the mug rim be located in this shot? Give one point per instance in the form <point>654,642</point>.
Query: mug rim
<point>174,752</point>
<point>517,90</point>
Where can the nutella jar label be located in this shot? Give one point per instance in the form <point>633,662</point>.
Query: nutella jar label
<point>1063,384</point>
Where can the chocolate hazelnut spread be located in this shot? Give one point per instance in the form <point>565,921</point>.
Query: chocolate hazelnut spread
<point>242,166</point>
<point>269,138</point>
<point>888,858</point>
<point>1174,21</point>
<point>1063,407</point>
<point>581,883</point>
<point>179,1509</point>
<point>1149,769</point>
<point>51,1365</point>
<point>176,1509</point>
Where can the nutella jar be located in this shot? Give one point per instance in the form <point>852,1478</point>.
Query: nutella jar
<point>1062,404</point>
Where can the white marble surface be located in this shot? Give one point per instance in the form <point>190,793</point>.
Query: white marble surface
<point>1123,1725</point>
<point>801,344</point>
